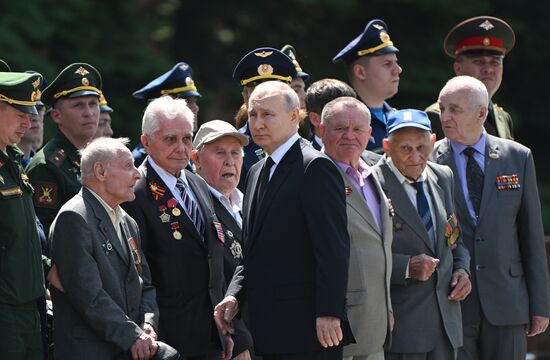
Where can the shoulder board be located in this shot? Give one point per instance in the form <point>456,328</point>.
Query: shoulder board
<point>57,157</point>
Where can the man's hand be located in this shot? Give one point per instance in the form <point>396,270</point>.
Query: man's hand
<point>329,332</point>
<point>224,312</point>
<point>228,348</point>
<point>144,348</point>
<point>149,330</point>
<point>537,325</point>
<point>461,285</point>
<point>53,278</point>
<point>422,266</point>
<point>245,355</point>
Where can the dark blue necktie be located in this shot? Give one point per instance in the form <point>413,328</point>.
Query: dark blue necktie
<point>474,179</point>
<point>423,207</point>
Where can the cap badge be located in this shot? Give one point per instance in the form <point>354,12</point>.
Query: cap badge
<point>36,95</point>
<point>263,54</point>
<point>184,67</point>
<point>486,25</point>
<point>291,55</point>
<point>81,71</point>
<point>189,81</point>
<point>85,82</point>
<point>486,42</point>
<point>377,26</point>
<point>265,69</point>
<point>384,37</point>
<point>36,83</point>
<point>407,116</point>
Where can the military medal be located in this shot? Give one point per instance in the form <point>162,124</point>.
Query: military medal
<point>348,190</point>
<point>175,226</point>
<point>236,250</point>
<point>219,231</point>
<point>176,212</point>
<point>508,182</point>
<point>172,203</point>
<point>135,254</point>
<point>452,231</point>
<point>156,190</point>
<point>390,208</point>
<point>177,235</point>
<point>164,217</point>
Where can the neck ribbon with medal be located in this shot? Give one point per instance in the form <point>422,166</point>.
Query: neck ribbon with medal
<point>170,207</point>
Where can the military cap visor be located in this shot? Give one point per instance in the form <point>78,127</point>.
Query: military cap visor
<point>177,83</point>
<point>263,64</point>
<point>373,41</point>
<point>76,80</point>
<point>478,36</point>
<point>20,90</point>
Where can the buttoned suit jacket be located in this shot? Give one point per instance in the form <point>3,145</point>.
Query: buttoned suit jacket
<point>106,300</point>
<point>232,258</point>
<point>421,308</point>
<point>509,270</point>
<point>296,252</point>
<point>187,272</point>
<point>368,293</point>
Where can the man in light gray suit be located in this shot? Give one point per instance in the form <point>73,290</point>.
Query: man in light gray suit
<point>104,302</point>
<point>498,206</point>
<point>430,263</point>
<point>345,130</point>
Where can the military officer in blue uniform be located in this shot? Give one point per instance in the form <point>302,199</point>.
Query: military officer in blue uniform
<point>259,65</point>
<point>178,83</point>
<point>373,72</point>
<point>479,45</point>
<point>21,277</point>
<point>55,170</point>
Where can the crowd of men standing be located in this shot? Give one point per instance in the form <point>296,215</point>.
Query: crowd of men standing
<point>324,225</point>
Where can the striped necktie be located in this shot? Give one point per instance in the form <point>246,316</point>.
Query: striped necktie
<point>423,207</point>
<point>190,206</point>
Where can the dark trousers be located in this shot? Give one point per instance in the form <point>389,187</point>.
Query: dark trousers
<point>443,350</point>
<point>332,353</point>
<point>20,329</point>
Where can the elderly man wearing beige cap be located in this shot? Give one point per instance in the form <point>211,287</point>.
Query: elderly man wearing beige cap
<point>218,158</point>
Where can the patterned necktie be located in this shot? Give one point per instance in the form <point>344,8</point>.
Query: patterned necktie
<point>190,206</point>
<point>423,208</point>
<point>474,179</point>
<point>264,180</point>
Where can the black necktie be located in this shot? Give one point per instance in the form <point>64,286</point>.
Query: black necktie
<point>264,180</point>
<point>423,207</point>
<point>474,179</point>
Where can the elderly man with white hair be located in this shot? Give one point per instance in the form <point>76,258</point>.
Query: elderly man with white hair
<point>105,304</point>
<point>499,211</point>
<point>181,234</point>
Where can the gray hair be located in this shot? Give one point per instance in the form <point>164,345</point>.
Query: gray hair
<point>477,92</point>
<point>348,103</point>
<point>290,98</point>
<point>102,150</point>
<point>164,107</point>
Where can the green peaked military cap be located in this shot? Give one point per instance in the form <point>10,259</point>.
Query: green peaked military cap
<point>20,90</point>
<point>4,66</point>
<point>78,79</point>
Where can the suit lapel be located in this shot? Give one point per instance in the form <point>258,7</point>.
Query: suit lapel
<point>248,202</point>
<point>226,219</point>
<point>492,156</point>
<point>437,195</point>
<point>404,208</point>
<point>105,224</point>
<point>206,211</point>
<point>385,219</point>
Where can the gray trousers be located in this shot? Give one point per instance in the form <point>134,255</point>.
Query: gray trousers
<point>376,356</point>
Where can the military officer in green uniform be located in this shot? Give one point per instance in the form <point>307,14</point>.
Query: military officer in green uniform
<point>21,276</point>
<point>478,46</point>
<point>55,170</point>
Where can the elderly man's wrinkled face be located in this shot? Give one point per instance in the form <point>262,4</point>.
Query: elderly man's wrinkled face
<point>409,149</point>
<point>461,118</point>
<point>219,163</point>
<point>121,176</point>
<point>346,134</point>
<point>170,146</point>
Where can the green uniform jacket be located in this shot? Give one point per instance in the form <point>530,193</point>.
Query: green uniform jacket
<point>21,277</point>
<point>499,122</point>
<point>55,174</point>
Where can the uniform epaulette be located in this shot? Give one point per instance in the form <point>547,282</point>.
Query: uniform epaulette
<point>57,157</point>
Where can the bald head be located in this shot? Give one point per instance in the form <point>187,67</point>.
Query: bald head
<point>472,88</point>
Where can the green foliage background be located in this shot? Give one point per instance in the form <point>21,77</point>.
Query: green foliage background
<point>132,42</point>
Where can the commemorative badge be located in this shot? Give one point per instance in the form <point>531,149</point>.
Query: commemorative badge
<point>452,232</point>
<point>508,182</point>
<point>390,208</point>
<point>156,190</point>
<point>493,154</point>
<point>174,226</point>
<point>219,231</point>
<point>107,247</point>
<point>135,254</point>
<point>348,190</point>
<point>236,250</point>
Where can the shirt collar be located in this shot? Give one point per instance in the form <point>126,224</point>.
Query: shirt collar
<point>278,154</point>
<point>402,179</point>
<point>114,214</point>
<point>479,145</point>
<point>235,198</point>
<point>169,179</point>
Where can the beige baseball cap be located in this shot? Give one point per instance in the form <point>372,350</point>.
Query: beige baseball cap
<point>216,129</point>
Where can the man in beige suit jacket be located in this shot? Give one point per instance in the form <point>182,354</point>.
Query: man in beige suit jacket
<point>345,131</point>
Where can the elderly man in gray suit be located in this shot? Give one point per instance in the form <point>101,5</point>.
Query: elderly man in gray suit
<point>498,206</point>
<point>430,263</point>
<point>104,302</point>
<point>345,131</point>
